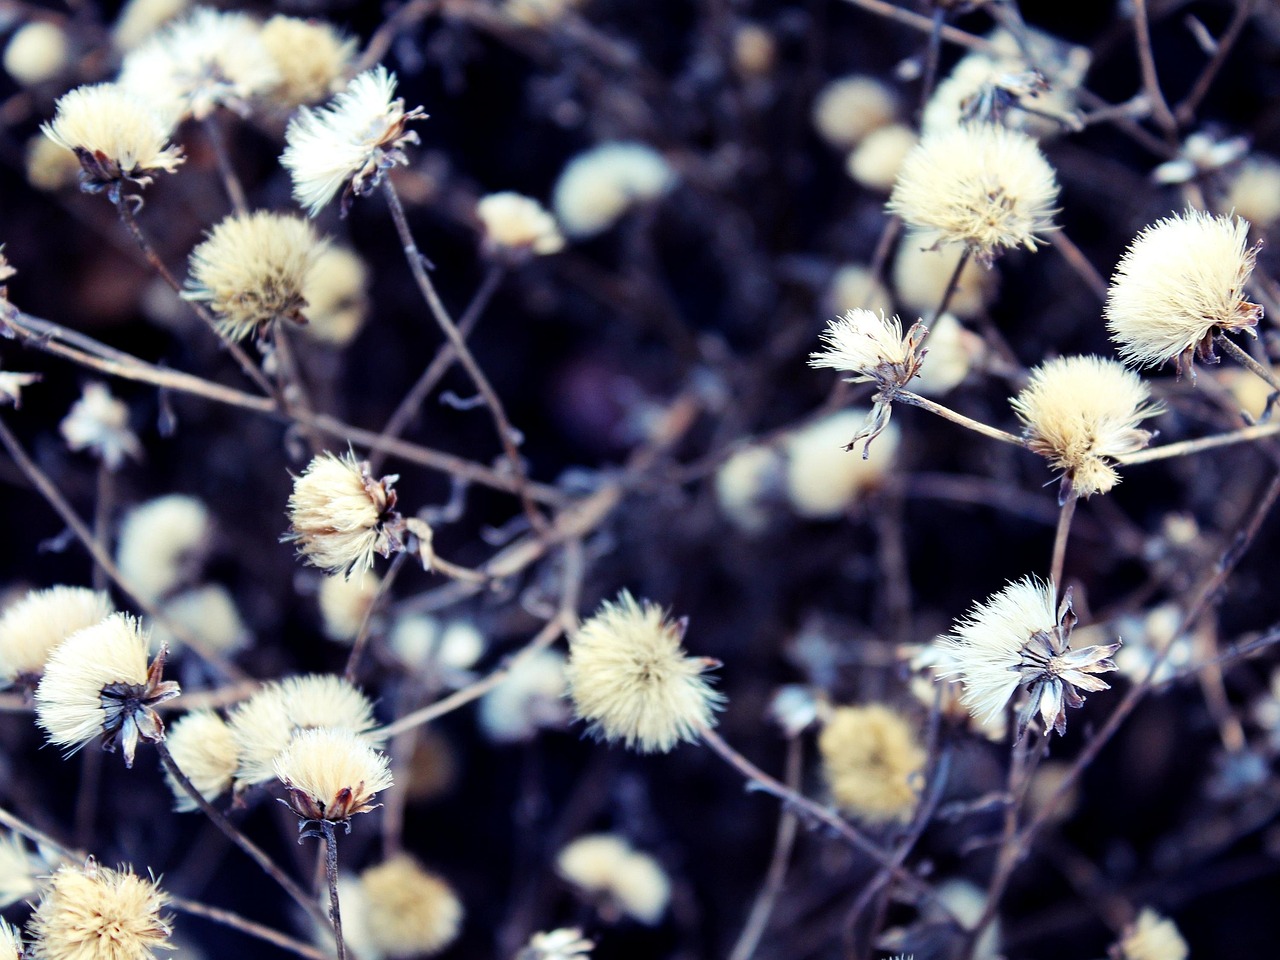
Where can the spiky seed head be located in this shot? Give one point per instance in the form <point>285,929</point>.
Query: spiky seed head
<point>311,57</point>
<point>331,774</point>
<point>872,760</point>
<point>204,749</point>
<point>32,627</point>
<point>619,880</point>
<point>95,913</point>
<point>408,910</point>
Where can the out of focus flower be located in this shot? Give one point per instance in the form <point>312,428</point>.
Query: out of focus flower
<point>872,761</point>
<point>597,187</point>
<point>1151,937</point>
<point>31,628</point>
<point>312,59</point>
<point>99,423</point>
<point>163,543</point>
<point>36,52</point>
<point>567,943</point>
<point>516,226</point>
<point>619,880</point>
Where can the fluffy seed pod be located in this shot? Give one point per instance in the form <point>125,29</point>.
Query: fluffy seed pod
<point>95,913</point>
<point>599,186</point>
<point>99,423</point>
<point>849,108</point>
<point>252,270</point>
<point>878,158</point>
<point>312,59</point>
<point>517,227</point>
<point>407,911</point>
<point>163,543</point>
<point>206,613</point>
<point>1151,937</point>
<point>336,291</point>
<point>32,627</point>
<point>21,870</point>
<point>340,516</point>
<point>620,881</point>
<point>1180,284</point>
<point>1254,191</point>
<point>116,135</point>
<point>629,677</point>
<point>871,760</point>
<point>822,479</point>
<point>1081,413</point>
<point>205,750</point>
<point>139,19</point>
<point>344,604</point>
<point>350,144</point>
<point>10,942</point>
<point>982,186</point>
<point>921,276</point>
<point>331,775</point>
<point>530,698</point>
<point>49,165</point>
<point>853,287</point>
<point>746,482</point>
<point>36,52</point>
<point>97,681</point>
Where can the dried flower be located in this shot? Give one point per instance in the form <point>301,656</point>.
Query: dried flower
<point>822,480</point>
<point>1199,155</point>
<point>20,870</point>
<point>209,59</point>
<point>350,144</point>
<point>206,613</point>
<point>849,108</point>
<point>872,761</point>
<point>97,681</point>
<point>331,775</point>
<point>98,422</point>
<point>163,544</point>
<point>597,187</point>
<point>854,287</point>
<point>529,698</point>
<point>406,911</point>
<point>1253,192</point>
<point>875,162</point>
<point>116,135</point>
<point>266,723</point>
<point>745,483</point>
<point>873,349</point>
<point>95,913</point>
<point>204,749</point>
<point>344,604</point>
<point>139,19</point>
<point>629,677</point>
<point>252,269</point>
<point>10,942</point>
<point>567,943</point>
<point>36,52</point>
<point>311,57</point>
<point>32,627</point>
<point>1082,413</point>
<point>921,276</point>
<point>1180,284</point>
<point>12,384</point>
<point>953,351</point>
<point>982,186</point>
<point>340,516</point>
<point>1151,937</point>
<point>617,878</point>
<point>1016,639</point>
<point>50,166</point>
<point>336,291</point>
<point>517,227</point>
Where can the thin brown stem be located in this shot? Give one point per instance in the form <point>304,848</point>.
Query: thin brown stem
<point>506,432</point>
<point>293,388</point>
<point>248,927</point>
<point>37,836</point>
<point>1147,63</point>
<point>331,875</point>
<point>226,169</point>
<point>1186,110</point>
<point>1241,355</point>
<point>1186,447</point>
<point>924,24</point>
<point>1060,538</point>
<point>1078,262</point>
<point>366,622</point>
<point>915,400</point>
<point>102,506</point>
<point>953,284</point>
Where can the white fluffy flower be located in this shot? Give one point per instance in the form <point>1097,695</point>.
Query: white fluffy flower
<point>870,347</point>
<point>205,751</point>
<point>516,225</point>
<point>32,627</point>
<point>599,186</point>
<point>529,698</point>
<point>620,879</point>
<point>163,543</point>
<point>98,422</point>
<point>350,144</point>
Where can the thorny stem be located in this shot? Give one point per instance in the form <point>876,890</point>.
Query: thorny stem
<point>366,622</point>
<point>1246,359</point>
<point>783,842</point>
<point>246,926</point>
<point>47,489</point>
<point>227,170</point>
<point>331,874</point>
<point>233,833</point>
<point>1146,61</point>
<point>1186,110</point>
<point>246,364</point>
<point>506,433</point>
<point>915,400</point>
<point>441,362</point>
<point>1060,537</point>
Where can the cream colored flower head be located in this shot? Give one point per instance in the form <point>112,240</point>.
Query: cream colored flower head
<point>344,604</point>
<point>849,108</point>
<point>517,227</point>
<point>350,144</point>
<point>95,913</point>
<point>872,762</point>
<point>982,186</point>
<point>566,943</point>
<point>1180,284</point>
<point>204,749</point>
<point>116,135</point>
<point>267,722</point>
<point>252,270</point>
<point>97,681</point>
<point>32,627</point>
<point>312,58</point>
<point>822,480</point>
<point>405,910</point>
<point>529,698</point>
<point>619,880</point>
<point>871,347</point>
<point>207,614</point>
<point>99,423</point>
<point>1151,937</point>
<point>340,516</point>
<point>36,52</point>
<point>331,774</point>
<point>206,60</point>
<point>10,942</point>
<point>21,869</point>
<point>1082,414</point>
<point>630,679</point>
<point>163,543</point>
<point>1021,637</point>
<point>139,19</point>
<point>337,296</point>
<point>597,187</point>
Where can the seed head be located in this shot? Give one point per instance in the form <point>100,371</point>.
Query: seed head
<point>350,144</point>
<point>982,186</point>
<point>163,543</point>
<point>252,270</point>
<point>620,881</point>
<point>530,698</point>
<point>1017,639</point>
<point>312,59</point>
<point>567,943</point>
<point>95,913</point>
<point>822,479</point>
<point>1082,413</point>
<point>331,775</point>
<point>204,749</point>
<point>599,186</point>
<point>10,942</point>
<point>36,53</point>
<point>32,627</point>
<point>850,108</point>
<point>408,910</point>
<point>1180,284</point>
<point>517,227</point>
<point>871,760</point>
<point>337,296</point>
<point>1151,937</point>
<point>629,677</point>
<point>99,423</point>
<point>97,682</point>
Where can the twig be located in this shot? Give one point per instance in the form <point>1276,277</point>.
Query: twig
<point>366,622</point>
<point>331,875</point>
<point>1184,447</point>
<point>1060,537</point>
<point>915,400</point>
<point>227,170</point>
<point>924,24</point>
<point>256,930</point>
<point>1243,356</point>
<point>1186,110</point>
<point>1078,262</point>
<point>1146,61</point>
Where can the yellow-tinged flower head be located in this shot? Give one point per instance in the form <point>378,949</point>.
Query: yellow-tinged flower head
<point>99,422</point>
<point>600,185</point>
<point>850,108</point>
<point>95,913</point>
<point>1151,937</point>
<point>337,296</point>
<point>871,759</point>
<point>32,627</point>
<point>1082,413</point>
<point>340,516</point>
<point>205,750</point>
<point>407,911</point>
<point>1181,283</point>
<point>252,270</point>
<point>312,58</point>
<point>97,681</point>
<point>331,774</point>
<point>163,543</point>
<point>516,226</point>
<point>983,186</point>
<point>116,135</point>
<point>617,878</point>
<point>629,677</point>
